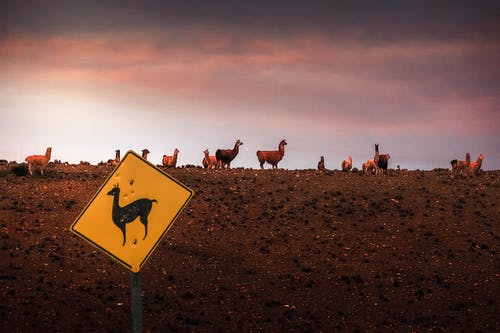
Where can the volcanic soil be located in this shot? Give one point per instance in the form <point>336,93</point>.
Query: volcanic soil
<point>261,251</point>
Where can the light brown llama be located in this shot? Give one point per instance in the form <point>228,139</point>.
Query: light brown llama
<point>170,161</point>
<point>209,162</point>
<point>347,164</point>
<point>370,166</point>
<point>39,161</point>
<point>459,166</point>
<point>272,156</point>
<point>474,167</point>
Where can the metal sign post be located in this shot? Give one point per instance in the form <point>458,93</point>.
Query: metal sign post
<point>136,302</point>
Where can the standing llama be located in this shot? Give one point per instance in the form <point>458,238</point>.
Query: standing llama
<point>347,164</point>
<point>381,161</point>
<point>209,162</point>
<point>474,167</point>
<point>369,166</point>
<point>272,156</point>
<point>225,156</point>
<point>145,153</point>
<point>170,161</point>
<point>321,163</point>
<point>459,166</point>
<point>116,160</point>
<point>124,215</point>
<point>39,161</point>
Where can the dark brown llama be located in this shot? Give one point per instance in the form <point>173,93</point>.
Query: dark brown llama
<point>225,156</point>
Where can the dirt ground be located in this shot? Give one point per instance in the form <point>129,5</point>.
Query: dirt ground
<point>262,251</point>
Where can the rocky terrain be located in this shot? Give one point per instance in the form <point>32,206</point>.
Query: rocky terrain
<point>261,251</point>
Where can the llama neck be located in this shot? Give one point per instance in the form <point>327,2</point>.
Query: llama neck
<point>116,205</point>
<point>117,156</point>
<point>235,149</point>
<point>282,149</point>
<point>47,154</point>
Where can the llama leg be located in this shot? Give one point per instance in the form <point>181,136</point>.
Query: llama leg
<point>144,220</point>
<point>30,169</point>
<point>123,232</point>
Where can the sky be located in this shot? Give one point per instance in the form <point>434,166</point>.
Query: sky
<point>420,78</point>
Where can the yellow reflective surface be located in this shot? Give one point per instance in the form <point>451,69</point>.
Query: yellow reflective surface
<point>146,196</point>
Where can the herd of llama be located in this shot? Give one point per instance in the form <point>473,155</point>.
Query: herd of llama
<point>223,158</point>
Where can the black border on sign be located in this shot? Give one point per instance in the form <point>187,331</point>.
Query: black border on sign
<point>125,264</point>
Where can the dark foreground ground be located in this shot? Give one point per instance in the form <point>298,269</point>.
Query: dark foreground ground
<point>262,251</point>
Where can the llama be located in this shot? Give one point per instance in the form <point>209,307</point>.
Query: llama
<point>370,166</point>
<point>124,215</point>
<point>209,162</point>
<point>116,160</point>
<point>145,153</point>
<point>225,156</point>
<point>474,167</point>
<point>458,166</point>
<point>321,164</point>
<point>39,161</point>
<point>272,156</point>
<point>170,161</point>
<point>347,164</point>
<point>381,161</point>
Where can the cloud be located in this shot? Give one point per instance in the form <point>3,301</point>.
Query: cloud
<point>369,21</point>
<point>403,82</point>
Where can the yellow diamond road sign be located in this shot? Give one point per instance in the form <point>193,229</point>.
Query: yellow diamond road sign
<point>132,211</point>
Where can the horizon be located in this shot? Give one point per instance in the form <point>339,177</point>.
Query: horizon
<point>240,166</point>
<point>420,79</point>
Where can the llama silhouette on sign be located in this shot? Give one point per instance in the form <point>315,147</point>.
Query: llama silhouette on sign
<point>123,215</point>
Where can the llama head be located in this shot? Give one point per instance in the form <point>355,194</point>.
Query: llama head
<point>283,142</point>
<point>239,143</point>
<point>115,190</point>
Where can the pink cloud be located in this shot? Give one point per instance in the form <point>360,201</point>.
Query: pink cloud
<point>320,77</point>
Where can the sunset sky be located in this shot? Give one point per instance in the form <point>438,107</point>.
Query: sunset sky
<point>421,78</point>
